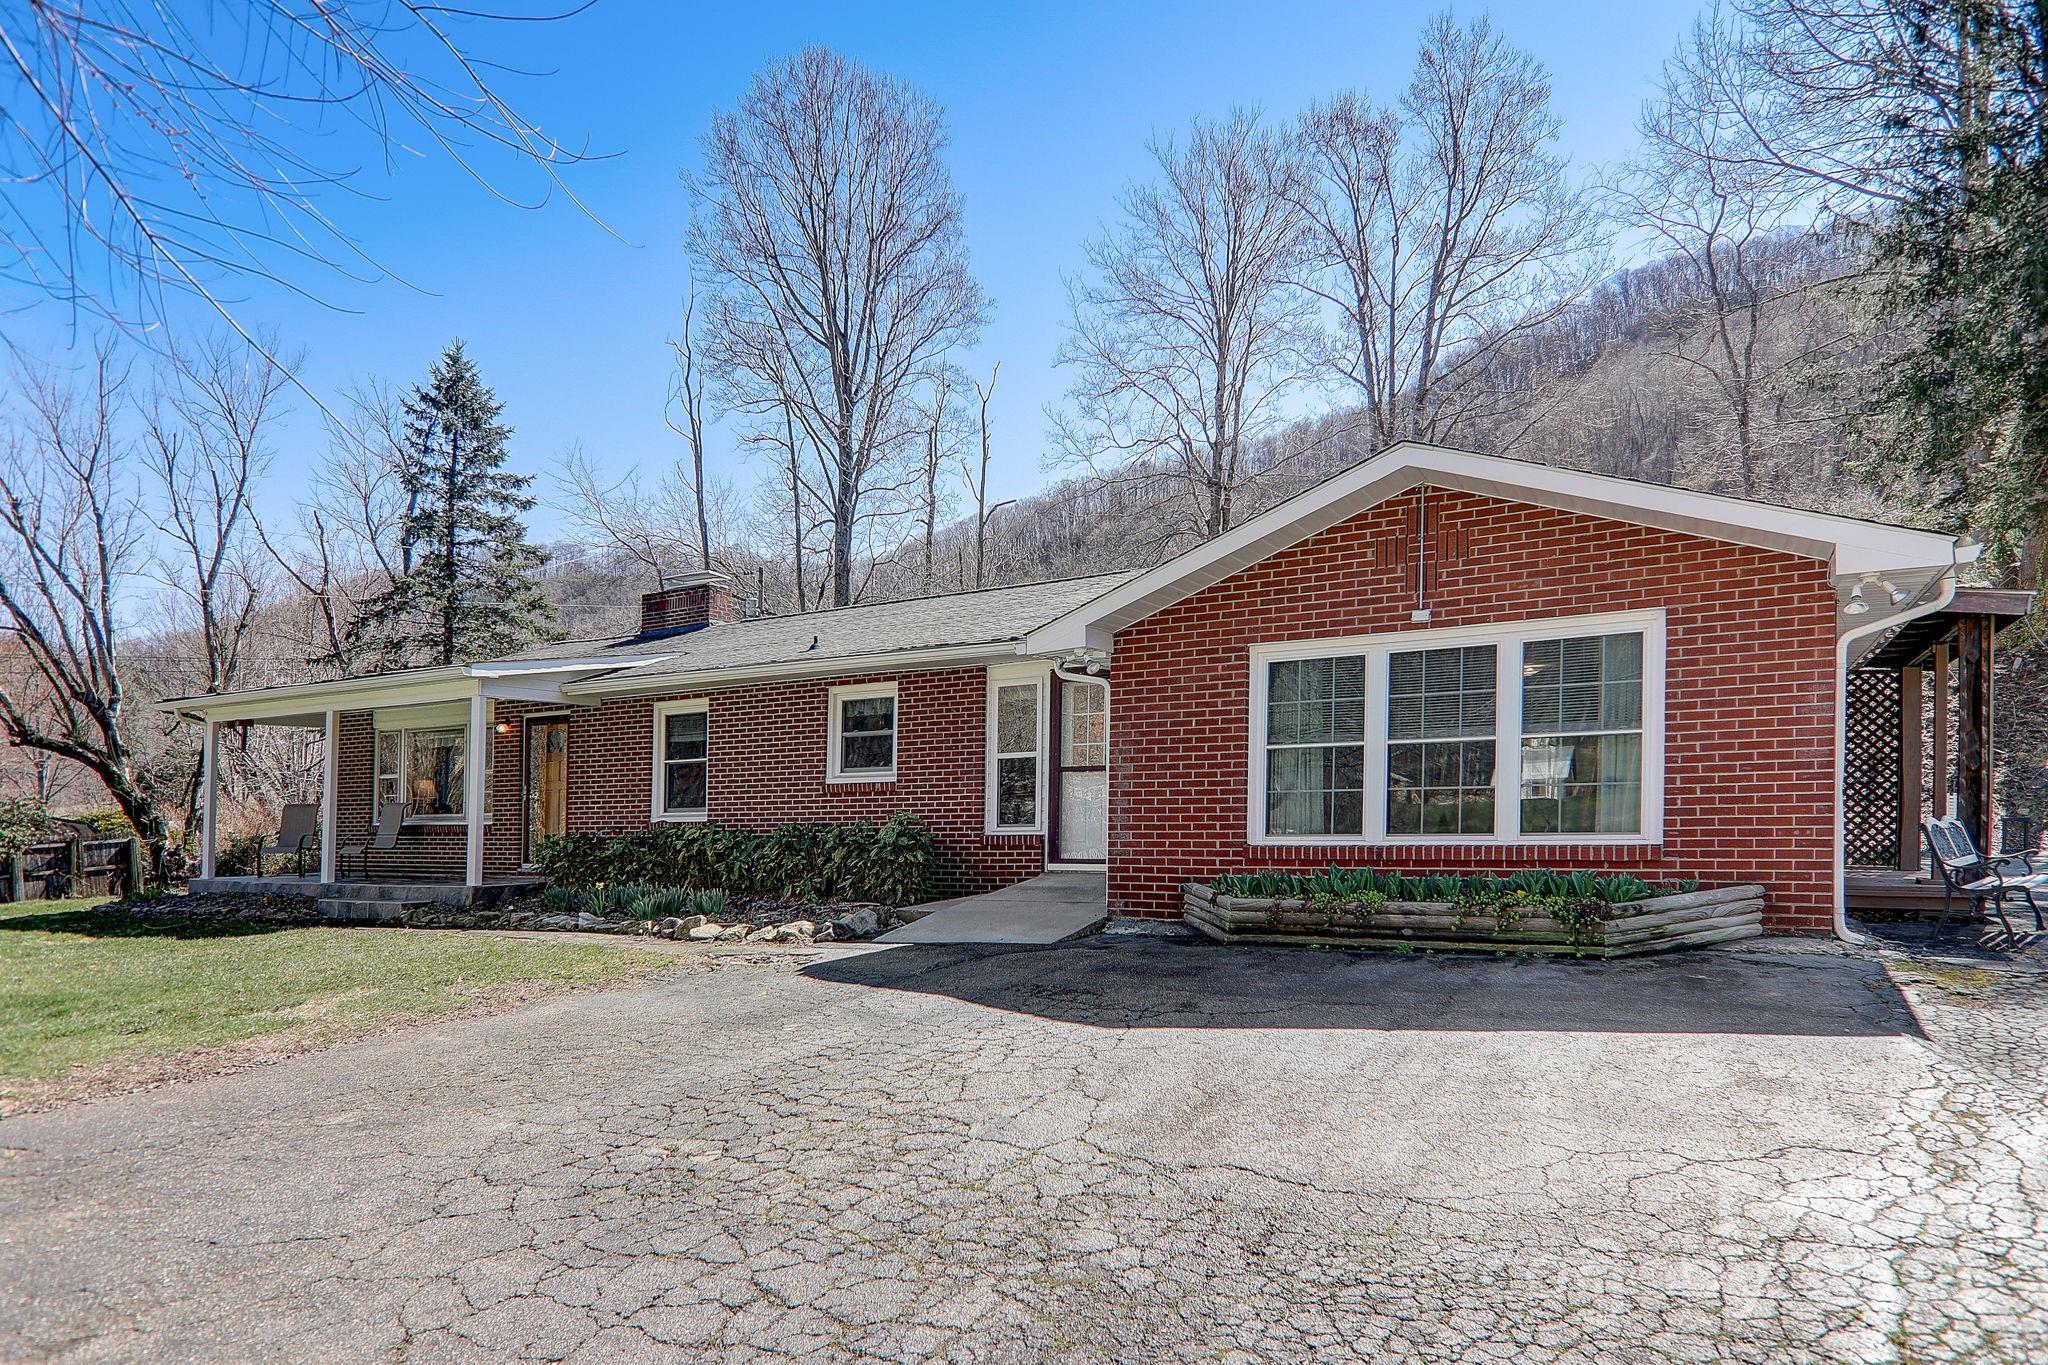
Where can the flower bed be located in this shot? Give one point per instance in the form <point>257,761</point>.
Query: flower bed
<point>1572,914</point>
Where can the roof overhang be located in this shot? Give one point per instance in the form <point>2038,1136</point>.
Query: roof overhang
<point>1853,549</point>
<point>535,680</point>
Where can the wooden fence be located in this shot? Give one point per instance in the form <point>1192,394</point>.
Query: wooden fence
<point>73,867</point>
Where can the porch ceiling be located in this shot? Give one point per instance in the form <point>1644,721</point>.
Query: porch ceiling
<point>1915,640</point>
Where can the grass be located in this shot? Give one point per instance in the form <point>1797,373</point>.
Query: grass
<point>82,989</point>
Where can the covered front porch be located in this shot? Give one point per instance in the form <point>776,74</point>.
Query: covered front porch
<point>1918,746</point>
<point>431,787</point>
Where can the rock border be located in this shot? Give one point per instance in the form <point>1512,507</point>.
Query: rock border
<point>806,923</point>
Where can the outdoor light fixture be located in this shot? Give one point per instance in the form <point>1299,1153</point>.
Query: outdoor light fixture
<point>1855,606</point>
<point>1898,594</point>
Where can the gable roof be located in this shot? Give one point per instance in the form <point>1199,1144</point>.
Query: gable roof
<point>878,635</point>
<point>961,627</point>
<point>1850,546</point>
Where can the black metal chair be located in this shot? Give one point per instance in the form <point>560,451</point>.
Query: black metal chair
<point>1986,883</point>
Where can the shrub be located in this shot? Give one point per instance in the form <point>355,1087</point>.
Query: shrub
<point>890,862</point>
<point>664,904</point>
<point>105,820</point>
<point>709,904</point>
<point>236,855</point>
<point>1531,886</point>
<point>22,822</point>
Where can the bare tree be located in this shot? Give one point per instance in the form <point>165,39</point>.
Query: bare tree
<point>1186,339</point>
<point>830,232</point>
<point>976,476</point>
<point>153,151</point>
<point>207,444</point>
<point>206,440</point>
<point>685,414</point>
<point>72,542</point>
<point>1726,217</point>
<point>1446,231</point>
<point>939,448</point>
<point>348,543</point>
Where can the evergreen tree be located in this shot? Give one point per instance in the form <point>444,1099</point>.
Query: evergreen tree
<point>471,588</point>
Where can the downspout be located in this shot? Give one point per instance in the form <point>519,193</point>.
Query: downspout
<point>1947,582</point>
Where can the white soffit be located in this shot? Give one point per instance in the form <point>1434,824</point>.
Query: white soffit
<point>1848,545</point>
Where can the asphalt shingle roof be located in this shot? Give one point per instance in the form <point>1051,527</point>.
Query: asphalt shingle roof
<point>987,616</point>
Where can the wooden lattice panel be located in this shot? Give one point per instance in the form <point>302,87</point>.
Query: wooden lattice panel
<point>1870,793</point>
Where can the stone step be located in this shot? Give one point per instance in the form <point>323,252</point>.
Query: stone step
<point>349,910</point>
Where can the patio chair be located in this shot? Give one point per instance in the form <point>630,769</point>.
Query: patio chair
<point>384,838</point>
<point>1986,883</point>
<point>298,830</point>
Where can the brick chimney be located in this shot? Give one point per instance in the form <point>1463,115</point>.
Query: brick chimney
<point>686,602</point>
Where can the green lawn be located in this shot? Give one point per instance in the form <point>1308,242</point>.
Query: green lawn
<point>80,989</point>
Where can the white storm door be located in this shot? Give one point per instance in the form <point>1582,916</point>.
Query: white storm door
<point>1084,772</point>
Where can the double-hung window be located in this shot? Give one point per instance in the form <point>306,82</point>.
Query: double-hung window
<point>1582,735</point>
<point>861,743</point>
<point>1315,746</point>
<point>1016,745</point>
<point>682,760</point>
<point>1542,731</point>
<point>1440,740</point>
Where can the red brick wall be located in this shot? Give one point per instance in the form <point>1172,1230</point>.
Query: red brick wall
<point>425,852</point>
<point>767,768</point>
<point>1750,694</point>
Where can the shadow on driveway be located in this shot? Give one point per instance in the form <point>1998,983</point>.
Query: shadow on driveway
<point>1163,984</point>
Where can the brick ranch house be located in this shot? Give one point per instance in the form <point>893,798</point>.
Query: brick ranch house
<point>1434,660</point>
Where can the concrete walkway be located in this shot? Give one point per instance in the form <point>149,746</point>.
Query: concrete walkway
<point>1050,908</point>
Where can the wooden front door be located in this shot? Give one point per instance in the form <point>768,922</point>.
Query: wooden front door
<point>547,781</point>
<point>1082,832</point>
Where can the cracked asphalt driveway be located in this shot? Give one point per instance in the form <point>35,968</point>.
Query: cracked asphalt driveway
<point>1118,1150</point>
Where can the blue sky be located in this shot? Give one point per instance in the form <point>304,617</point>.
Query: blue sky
<point>1049,107</point>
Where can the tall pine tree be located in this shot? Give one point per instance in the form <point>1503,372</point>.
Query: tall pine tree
<point>472,589</point>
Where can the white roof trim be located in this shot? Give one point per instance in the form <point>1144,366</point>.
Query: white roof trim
<point>832,666</point>
<point>1848,545</point>
<point>302,703</point>
<point>519,668</point>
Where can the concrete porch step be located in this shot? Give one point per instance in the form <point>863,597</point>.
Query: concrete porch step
<point>346,911</point>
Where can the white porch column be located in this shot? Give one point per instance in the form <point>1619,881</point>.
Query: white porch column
<point>209,747</point>
<point>328,763</point>
<point>473,793</point>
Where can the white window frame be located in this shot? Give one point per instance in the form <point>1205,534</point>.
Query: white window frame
<point>833,704</point>
<point>1507,637</point>
<point>1038,676</point>
<point>658,810</point>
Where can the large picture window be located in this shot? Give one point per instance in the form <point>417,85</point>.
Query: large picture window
<point>682,760</point>
<point>423,767</point>
<point>1582,735</point>
<point>862,739</point>
<point>1527,732</point>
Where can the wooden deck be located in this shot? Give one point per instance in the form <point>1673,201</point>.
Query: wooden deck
<point>1887,891</point>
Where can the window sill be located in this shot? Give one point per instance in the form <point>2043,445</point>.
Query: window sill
<point>437,821</point>
<point>678,817</point>
<point>874,779</point>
